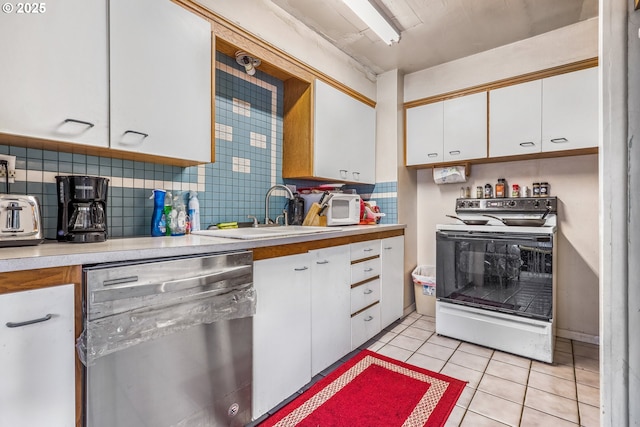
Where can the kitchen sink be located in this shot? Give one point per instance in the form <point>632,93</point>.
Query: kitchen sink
<point>265,232</point>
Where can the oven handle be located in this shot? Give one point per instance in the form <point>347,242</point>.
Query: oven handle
<point>541,238</point>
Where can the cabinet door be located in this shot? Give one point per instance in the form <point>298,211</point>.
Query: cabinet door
<point>344,136</point>
<point>570,110</point>
<point>330,315</point>
<point>465,127</point>
<point>281,330</point>
<point>160,64</point>
<point>392,280</point>
<point>515,121</point>
<point>54,82</point>
<point>425,134</point>
<point>37,360</point>
<point>365,325</point>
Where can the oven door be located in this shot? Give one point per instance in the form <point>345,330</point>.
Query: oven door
<point>506,272</point>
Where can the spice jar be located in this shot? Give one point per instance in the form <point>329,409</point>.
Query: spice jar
<point>479,192</point>
<point>467,192</point>
<point>500,188</point>
<point>515,190</point>
<point>488,191</point>
<point>536,189</point>
<point>545,190</point>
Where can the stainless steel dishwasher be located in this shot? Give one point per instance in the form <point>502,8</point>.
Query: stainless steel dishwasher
<point>168,342</point>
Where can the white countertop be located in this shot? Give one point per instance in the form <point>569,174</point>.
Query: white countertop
<point>56,254</point>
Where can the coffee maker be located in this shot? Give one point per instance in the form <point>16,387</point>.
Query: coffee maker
<point>82,208</point>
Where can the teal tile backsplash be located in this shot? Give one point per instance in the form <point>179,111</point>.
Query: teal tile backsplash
<point>249,135</point>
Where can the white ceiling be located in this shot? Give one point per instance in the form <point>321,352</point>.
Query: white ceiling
<point>436,31</point>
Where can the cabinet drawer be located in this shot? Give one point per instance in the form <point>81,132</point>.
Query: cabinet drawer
<point>364,295</point>
<point>365,270</point>
<point>365,326</point>
<point>366,249</point>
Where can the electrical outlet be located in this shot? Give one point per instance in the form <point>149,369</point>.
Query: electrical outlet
<point>11,166</point>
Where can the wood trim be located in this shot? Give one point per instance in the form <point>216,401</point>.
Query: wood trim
<point>213,97</point>
<point>269,252</point>
<point>297,150</point>
<point>365,281</point>
<point>359,260</point>
<point>29,280</point>
<point>364,309</point>
<point>523,78</point>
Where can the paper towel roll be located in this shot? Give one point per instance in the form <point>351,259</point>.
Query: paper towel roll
<point>449,175</point>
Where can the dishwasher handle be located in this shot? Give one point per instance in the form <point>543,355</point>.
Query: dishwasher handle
<point>112,292</point>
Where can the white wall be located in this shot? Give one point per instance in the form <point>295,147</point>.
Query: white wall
<point>574,180</point>
<point>270,23</point>
<point>569,44</point>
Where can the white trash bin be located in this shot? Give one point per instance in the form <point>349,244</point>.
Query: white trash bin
<point>424,282</point>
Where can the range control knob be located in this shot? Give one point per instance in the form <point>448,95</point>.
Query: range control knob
<point>462,204</point>
<point>511,203</point>
<point>536,203</point>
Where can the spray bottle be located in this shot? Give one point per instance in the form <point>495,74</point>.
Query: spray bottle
<point>158,222</point>
<point>194,211</point>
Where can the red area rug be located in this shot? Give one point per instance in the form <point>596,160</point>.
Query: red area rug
<point>372,390</point>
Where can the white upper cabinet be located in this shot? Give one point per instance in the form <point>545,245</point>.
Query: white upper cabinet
<point>53,81</point>
<point>344,136</point>
<point>465,127</point>
<point>515,119</point>
<point>160,70</point>
<point>425,134</point>
<point>447,131</point>
<point>570,110</point>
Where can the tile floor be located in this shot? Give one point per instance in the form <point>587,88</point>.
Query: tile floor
<point>503,389</point>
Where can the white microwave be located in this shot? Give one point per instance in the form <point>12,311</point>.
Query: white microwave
<point>343,209</point>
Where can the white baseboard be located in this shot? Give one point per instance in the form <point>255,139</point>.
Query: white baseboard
<point>578,336</point>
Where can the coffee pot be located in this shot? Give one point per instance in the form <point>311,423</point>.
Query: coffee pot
<point>82,205</point>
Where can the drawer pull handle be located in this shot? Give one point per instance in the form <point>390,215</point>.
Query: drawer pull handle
<point>368,291</point>
<point>29,322</point>
<point>527,144</point>
<point>559,140</point>
<point>432,155</point>
<point>368,319</point>
<point>322,262</point>
<point>388,247</point>
<point>81,122</point>
<point>368,250</point>
<point>301,268</point>
<point>366,270</point>
<point>454,152</point>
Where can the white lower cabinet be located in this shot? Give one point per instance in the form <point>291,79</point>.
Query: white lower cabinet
<point>330,328</point>
<point>365,325</point>
<point>365,291</point>
<point>281,330</point>
<point>391,279</point>
<point>37,358</point>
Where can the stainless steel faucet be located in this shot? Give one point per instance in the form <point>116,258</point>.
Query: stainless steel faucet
<point>268,220</point>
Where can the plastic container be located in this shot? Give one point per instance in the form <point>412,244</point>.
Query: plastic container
<point>424,281</point>
<point>194,211</point>
<point>178,216</point>
<point>158,223</point>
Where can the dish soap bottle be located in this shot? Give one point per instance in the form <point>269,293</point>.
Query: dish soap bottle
<point>158,222</point>
<point>167,213</point>
<point>194,211</point>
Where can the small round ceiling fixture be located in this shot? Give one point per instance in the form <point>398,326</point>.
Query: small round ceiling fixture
<point>248,62</point>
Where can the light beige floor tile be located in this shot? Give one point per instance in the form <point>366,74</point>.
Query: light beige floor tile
<point>424,324</point>
<point>437,351</point>
<point>408,321</point>
<point>557,370</point>
<point>582,362</point>
<point>469,360</point>
<point>592,379</point>
<point>511,359</point>
<point>417,333</point>
<point>414,315</point>
<point>399,328</point>
<point>493,407</point>
<point>560,358</point>
<point>502,388</point>
<point>406,342</point>
<point>563,345</point>
<point>588,395</point>
<point>587,350</point>
<point>444,341</point>
<point>387,337</point>
<point>462,373</point>
<point>395,352</point>
<point>507,371</point>
<point>466,396</point>
<point>561,407</point>
<point>534,418</point>
<point>589,415</point>
<point>472,419</point>
<point>376,346</point>
<point>478,350</point>
<point>426,362</point>
<point>455,417</point>
<point>551,384</point>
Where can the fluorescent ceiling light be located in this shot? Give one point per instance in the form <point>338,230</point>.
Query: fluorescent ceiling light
<point>374,19</point>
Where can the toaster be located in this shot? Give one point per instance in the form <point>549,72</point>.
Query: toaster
<point>20,220</point>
